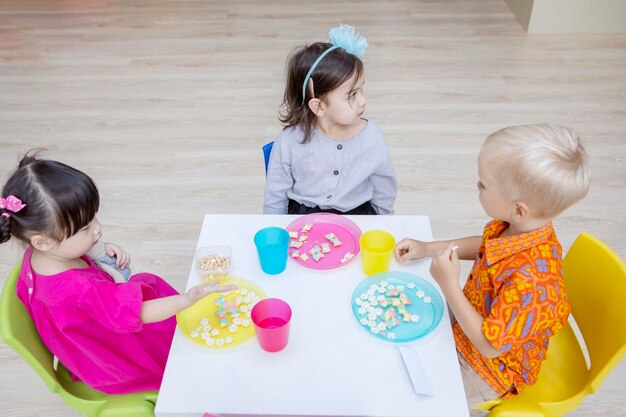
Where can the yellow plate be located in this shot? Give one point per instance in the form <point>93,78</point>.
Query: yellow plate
<point>200,322</point>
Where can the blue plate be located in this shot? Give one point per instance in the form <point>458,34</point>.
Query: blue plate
<point>397,306</point>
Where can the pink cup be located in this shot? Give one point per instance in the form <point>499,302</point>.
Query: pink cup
<point>271,318</point>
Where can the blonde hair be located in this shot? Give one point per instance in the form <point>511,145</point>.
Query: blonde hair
<point>544,165</point>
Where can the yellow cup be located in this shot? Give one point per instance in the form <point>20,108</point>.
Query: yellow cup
<point>376,251</point>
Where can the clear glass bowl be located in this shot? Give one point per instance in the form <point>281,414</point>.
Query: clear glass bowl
<point>213,261</point>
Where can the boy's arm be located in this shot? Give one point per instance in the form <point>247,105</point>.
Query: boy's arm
<point>467,247</point>
<point>408,249</point>
<point>445,270</point>
<point>470,321</point>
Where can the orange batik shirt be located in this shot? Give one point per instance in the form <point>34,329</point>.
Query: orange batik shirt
<point>516,284</point>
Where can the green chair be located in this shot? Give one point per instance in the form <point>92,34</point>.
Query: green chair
<point>18,331</point>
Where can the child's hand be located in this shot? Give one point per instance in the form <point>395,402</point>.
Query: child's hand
<point>408,249</point>
<point>201,291</point>
<point>445,267</point>
<point>162,308</point>
<point>122,259</point>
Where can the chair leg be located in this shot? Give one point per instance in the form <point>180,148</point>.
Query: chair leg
<point>503,411</point>
<point>489,405</point>
<point>138,409</point>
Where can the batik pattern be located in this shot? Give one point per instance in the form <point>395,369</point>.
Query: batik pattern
<point>516,284</point>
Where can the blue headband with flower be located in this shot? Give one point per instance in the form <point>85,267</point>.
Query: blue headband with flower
<point>344,37</point>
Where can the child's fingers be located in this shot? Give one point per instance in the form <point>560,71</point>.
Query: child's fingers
<point>125,263</point>
<point>112,249</point>
<point>223,288</point>
<point>451,251</point>
<point>406,256</point>
<point>401,250</point>
<point>122,260</point>
<point>211,287</point>
<point>120,256</point>
<point>454,255</point>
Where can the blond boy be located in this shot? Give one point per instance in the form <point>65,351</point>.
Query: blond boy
<point>514,299</point>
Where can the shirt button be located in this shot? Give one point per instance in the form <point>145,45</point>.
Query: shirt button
<point>329,196</point>
<point>336,172</point>
<point>339,147</point>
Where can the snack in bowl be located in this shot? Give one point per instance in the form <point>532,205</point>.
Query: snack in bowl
<point>213,261</point>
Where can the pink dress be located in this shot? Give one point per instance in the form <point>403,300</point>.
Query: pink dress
<point>92,325</point>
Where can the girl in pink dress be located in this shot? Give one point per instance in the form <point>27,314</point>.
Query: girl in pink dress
<point>115,337</point>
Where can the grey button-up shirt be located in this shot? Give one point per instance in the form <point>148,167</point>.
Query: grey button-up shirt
<point>329,173</point>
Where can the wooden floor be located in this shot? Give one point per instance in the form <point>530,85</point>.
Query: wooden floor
<point>166,104</point>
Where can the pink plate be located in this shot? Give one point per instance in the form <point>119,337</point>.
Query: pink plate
<point>324,223</point>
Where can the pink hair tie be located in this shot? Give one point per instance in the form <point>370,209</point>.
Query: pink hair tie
<point>11,203</point>
<point>7,215</point>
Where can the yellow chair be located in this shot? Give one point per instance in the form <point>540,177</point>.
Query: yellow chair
<point>18,331</point>
<point>595,280</point>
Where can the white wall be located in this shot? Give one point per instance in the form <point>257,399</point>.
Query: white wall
<point>570,16</point>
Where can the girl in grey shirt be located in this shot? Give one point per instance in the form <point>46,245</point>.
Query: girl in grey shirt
<point>329,158</point>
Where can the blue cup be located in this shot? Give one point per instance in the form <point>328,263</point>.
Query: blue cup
<point>272,244</point>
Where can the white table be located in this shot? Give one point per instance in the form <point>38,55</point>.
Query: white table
<point>331,366</point>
